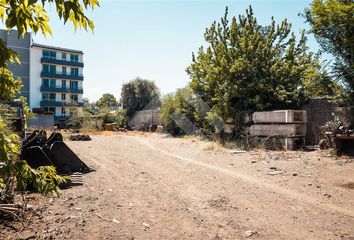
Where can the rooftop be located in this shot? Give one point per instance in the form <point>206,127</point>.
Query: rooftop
<point>56,48</point>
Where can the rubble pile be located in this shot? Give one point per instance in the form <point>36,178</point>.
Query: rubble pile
<point>80,137</point>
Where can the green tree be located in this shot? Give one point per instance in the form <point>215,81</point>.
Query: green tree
<point>9,86</point>
<point>25,15</point>
<point>139,94</point>
<point>332,23</point>
<point>247,67</point>
<point>107,101</point>
<point>178,112</point>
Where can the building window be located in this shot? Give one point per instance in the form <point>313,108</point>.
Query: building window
<point>63,111</point>
<point>49,83</point>
<point>52,96</point>
<point>52,109</point>
<point>49,54</point>
<point>52,83</point>
<point>63,56</point>
<point>73,112</point>
<point>63,70</point>
<point>74,57</point>
<point>63,83</point>
<point>63,96</point>
<point>74,71</point>
<point>48,96</point>
<point>73,85</point>
<point>73,97</point>
<point>45,82</point>
<point>45,96</point>
<point>49,68</point>
<point>45,68</point>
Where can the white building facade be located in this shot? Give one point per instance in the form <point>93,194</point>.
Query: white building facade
<point>56,80</point>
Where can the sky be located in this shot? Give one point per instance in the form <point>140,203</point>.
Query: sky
<point>154,39</point>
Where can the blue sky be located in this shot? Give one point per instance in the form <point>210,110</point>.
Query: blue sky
<point>154,39</point>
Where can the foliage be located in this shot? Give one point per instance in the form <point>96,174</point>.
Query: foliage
<point>89,108</point>
<point>321,84</point>
<point>333,124</point>
<point>177,110</point>
<point>31,15</point>
<point>107,101</point>
<point>9,86</point>
<point>332,23</point>
<point>121,118</point>
<point>89,124</point>
<point>248,67</point>
<point>139,94</point>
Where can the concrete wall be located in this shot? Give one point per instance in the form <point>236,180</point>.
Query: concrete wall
<point>146,116</point>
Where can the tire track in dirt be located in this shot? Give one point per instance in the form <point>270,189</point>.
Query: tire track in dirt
<point>255,181</point>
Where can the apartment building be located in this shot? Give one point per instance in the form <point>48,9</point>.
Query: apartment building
<point>52,76</point>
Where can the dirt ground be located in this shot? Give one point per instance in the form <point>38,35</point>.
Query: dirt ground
<point>156,187</point>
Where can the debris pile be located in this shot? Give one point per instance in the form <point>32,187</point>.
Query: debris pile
<point>339,137</point>
<point>80,137</point>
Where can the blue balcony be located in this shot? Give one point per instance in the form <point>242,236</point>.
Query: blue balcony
<point>61,75</point>
<point>61,62</point>
<point>55,103</point>
<point>61,89</point>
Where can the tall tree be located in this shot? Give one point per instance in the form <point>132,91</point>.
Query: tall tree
<point>107,101</point>
<point>139,94</point>
<point>248,67</point>
<point>332,23</point>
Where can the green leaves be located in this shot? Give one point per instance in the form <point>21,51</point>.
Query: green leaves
<point>139,94</point>
<point>332,23</point>
<point>9,87</point>
<point>44,179</point>
<point>107,101</point>
<point>28,15</point>
<point>247,67</point>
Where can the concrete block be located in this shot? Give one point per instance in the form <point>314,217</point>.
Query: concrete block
<point>285,130</point>
<point>280,116</point>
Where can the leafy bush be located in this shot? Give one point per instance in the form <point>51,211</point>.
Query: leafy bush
<point>177,112</point>
<point>121,118</point>
<point>92,124</point>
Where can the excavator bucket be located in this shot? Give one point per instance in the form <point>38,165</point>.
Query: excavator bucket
<point>32,150</point>
<point>66,160</point>
<point>36,157</point>
<point>54,137</point>
<point>38,151</point>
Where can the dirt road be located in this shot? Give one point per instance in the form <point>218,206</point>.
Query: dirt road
<point>151,187</point>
